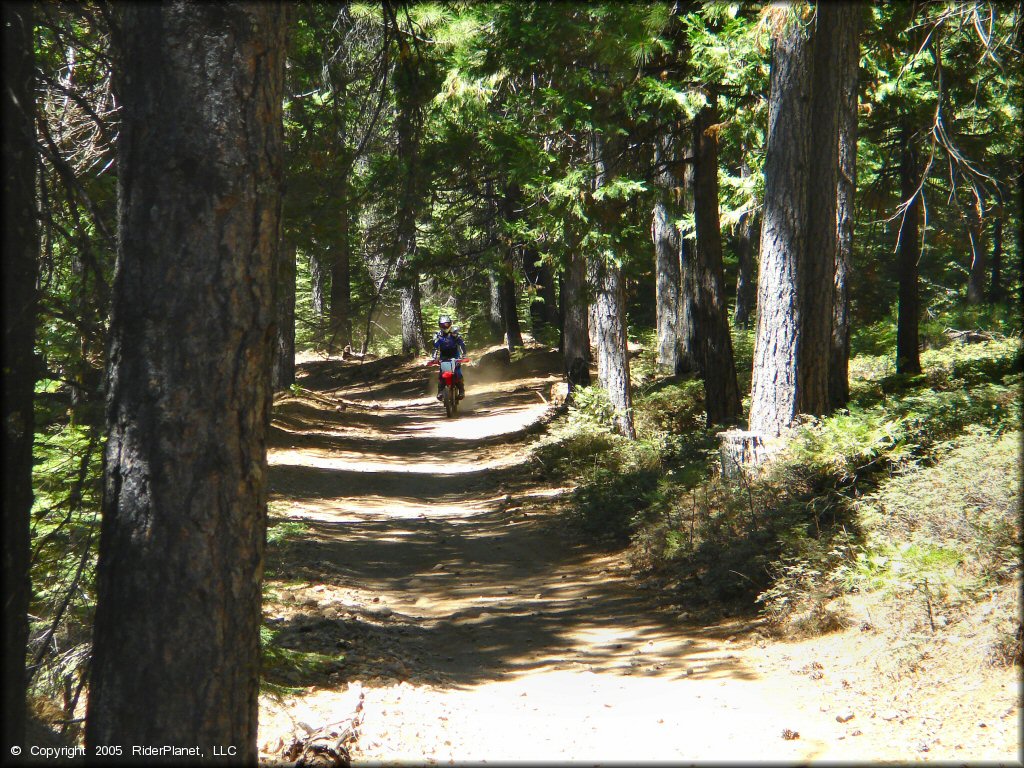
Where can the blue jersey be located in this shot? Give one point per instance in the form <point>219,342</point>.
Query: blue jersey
<point>449,345</point>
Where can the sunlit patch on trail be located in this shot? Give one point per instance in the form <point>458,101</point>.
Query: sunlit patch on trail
<point>434,567</point>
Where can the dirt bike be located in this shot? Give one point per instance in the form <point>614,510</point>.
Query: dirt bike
<point>450,396</point>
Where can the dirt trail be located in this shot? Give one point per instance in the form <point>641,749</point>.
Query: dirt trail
<point>475,630</point>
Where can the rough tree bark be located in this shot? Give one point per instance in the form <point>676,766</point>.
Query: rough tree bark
<point>283,374</point>
<point>538,311</point>
<point>408,129</point>
<point>848,64</point>
<point>816,271</point>
<point>591,319</point>
<point>549,292</point>
<point>799,239</point>
<point>746,273</point>
<point>995,292</point>
<point>689,345</point>
<point>612,357</point>
<point>1019,195</point>
<point>492,302</point>
<point>667,253</point>
<point>575,320</point>
<point>510,311</point>
<point>495,310</point>
<point>783,233</point>
<point>711,320</point>
<point>317,275</point>
<point>678,351</point>
<point>413,336</point>
<point>536,307</point>
<point>609,308</point>
<point>340,325</point>
<point>20,267</point>
<point>510,211</point>
<point>176,643</point>
<point>908,248</point>
<point>979,258</point>
<point>341,278</point>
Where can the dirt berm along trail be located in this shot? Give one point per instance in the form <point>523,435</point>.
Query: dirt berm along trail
<point>468,625</point>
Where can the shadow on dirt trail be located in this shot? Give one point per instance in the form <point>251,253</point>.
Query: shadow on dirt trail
<point>434,569</point>
<point>429,540</point>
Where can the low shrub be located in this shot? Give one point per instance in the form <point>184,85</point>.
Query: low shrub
<point>797,538</point>
<point>67,483</point>
<point>608,503</point>
<point>960,514</point>
<point>285,670</point>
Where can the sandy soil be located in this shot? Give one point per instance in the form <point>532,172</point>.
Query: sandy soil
<point>468,626</point>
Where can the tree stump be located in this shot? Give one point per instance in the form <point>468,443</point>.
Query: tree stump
<point>559,394</point>
<point>741,450</point>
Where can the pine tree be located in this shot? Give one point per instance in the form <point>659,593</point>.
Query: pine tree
<point>20,268</point>
<point>176,642</point>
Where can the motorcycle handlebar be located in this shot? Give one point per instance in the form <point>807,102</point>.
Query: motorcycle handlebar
<point>457,360</point>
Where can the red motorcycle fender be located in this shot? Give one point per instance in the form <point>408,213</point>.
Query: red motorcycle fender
<point>447,377</point>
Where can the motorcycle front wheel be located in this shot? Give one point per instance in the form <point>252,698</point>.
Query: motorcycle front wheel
<point>451,402</point>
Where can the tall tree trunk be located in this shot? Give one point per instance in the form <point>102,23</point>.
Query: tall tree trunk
<point>510,210</point>
<point>668,287</point>
<point>544,300</point>
<point>510,312</point>
<point>549,292</point>
<point>848,64</point>
<point>783,233</point>
<point>609,315</point>
<point>667,254</point>
<point>408,129</point>
<point>908,247</point>
<point>317,278</point>
<point>746,273</point>
<point>283,375</point>
<point>979,265</point>
<point>721,393</point>
<point>342,204</point>
<point>84,379</point>
<point>689,360</point>
<point>612,357</point>
<point>995,292</point>
<point>492,303</point>
<point>816,273</point>
<point>561,313</point>
<point>538,317</point>
<point>591,318</point>
<point>20,268</point>
<point>1019,194</point>
<point>341,279</point>
<point>413,336</point>
<point>575,320</point>
<point>495,309</point>
<point>176,641</point>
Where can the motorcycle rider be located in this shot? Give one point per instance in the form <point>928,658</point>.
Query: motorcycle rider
<point>448,344</point>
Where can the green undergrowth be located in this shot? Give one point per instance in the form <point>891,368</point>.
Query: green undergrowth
<point>952,524</point>
<point>621,484</point>
<point>910,492</point>
<point>285,668</point>
<point>64,535</point>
